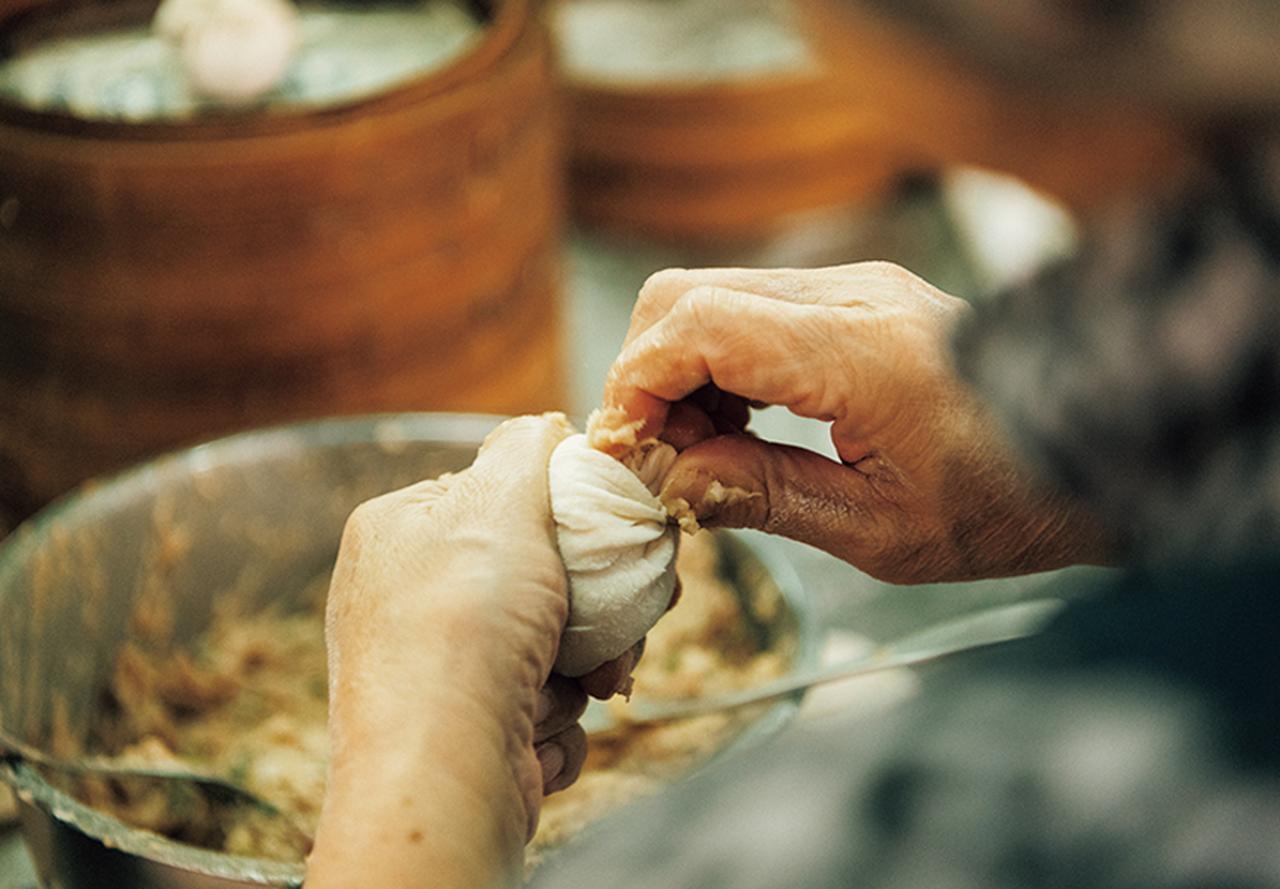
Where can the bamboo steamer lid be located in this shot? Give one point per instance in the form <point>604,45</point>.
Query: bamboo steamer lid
<point>162,283</point>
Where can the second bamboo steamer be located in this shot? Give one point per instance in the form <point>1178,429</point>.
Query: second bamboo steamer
<point>707,158</point>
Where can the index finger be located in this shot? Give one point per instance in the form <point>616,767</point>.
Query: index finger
<point>747,345</point>
<point>664,289</point>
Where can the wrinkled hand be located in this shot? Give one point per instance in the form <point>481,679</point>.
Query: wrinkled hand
<point>444,614</point>
<point>926,487</point>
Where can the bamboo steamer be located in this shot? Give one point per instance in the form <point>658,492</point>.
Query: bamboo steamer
<point>722,164</point>
<point>165,283</point>
<point>733,162</point>
<point>725,162</point>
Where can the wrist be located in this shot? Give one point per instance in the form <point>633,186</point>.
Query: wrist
<point>435,791</point>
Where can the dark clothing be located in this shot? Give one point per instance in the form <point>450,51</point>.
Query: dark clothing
<point>1144,375</point>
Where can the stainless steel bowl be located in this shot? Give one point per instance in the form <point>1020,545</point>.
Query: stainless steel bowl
<point>256,516</point>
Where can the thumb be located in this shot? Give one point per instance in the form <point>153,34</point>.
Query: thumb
<point>739,481</point>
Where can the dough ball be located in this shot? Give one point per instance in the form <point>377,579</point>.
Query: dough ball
<point>619,549</point>
<point>233,51</point>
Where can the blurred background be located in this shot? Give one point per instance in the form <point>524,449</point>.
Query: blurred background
<point>217,215</point>
<point>223,214</point>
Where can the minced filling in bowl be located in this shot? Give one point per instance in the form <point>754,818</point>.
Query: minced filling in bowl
<point>247,701</point>
<point>193,590</point>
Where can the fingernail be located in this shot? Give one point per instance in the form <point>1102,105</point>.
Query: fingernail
<point>544,706</point>
<point>551,758</point>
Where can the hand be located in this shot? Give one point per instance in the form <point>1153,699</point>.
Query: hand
<point>926,489</point>
<point>444,614</point>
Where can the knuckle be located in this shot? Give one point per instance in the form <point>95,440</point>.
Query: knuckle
<point>704,313</point>
<point>523,427</point>
<point>882,268</point>
<point>374,515</point>
<point>657,290</point>
<point>703,306</point>
<point>363,520</point>
<point>364,516</point>
<point>662,280</point>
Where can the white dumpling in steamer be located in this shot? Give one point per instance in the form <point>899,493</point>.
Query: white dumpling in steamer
<point>232,51</point>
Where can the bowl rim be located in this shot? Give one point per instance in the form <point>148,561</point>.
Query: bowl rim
<point>410,428</point>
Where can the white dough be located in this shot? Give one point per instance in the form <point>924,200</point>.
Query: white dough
<point>233,51</point>
<point>618,547</point>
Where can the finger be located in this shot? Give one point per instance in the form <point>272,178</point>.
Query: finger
<point>514,458</point>
<point>686,425</point>
<point>613,677</point>
<point>534,436</point>
<point>561,703</point>
<point>663,290</point>
<point>562,758</point>
<point>657,295</point>
<point>742,482</point>
<point>551,759</point>
<point>676,592</point>
<point>757,348</point>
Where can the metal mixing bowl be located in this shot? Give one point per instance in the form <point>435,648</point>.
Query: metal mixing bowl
<point>256,516</point>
